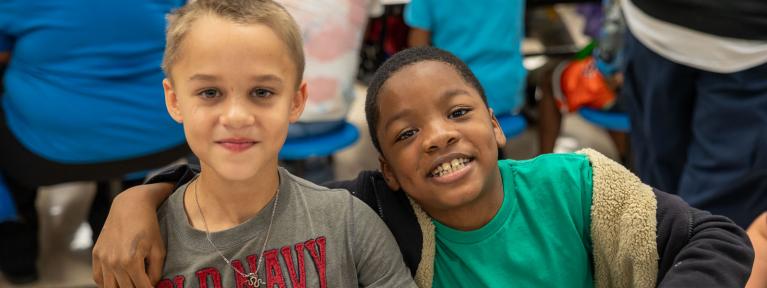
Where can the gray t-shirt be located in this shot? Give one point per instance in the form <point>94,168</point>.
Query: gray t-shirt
<point>319,238</point>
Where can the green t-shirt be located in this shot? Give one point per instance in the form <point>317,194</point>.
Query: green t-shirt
<point>540,237</point>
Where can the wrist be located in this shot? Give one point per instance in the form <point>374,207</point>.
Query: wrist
<point>147,195</point>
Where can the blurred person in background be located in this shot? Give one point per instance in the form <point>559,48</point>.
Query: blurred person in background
<point>696,92</point>
<point>82,102</point>
<point>332,33</point>
<point>487,35</point>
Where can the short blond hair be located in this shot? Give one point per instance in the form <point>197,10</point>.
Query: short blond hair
<point>266,12</point>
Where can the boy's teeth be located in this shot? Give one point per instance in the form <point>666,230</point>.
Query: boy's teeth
<point>456,163</point>
<point>449,167</point>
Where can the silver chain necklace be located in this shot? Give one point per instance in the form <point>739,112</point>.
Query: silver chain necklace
<point>252,277</point>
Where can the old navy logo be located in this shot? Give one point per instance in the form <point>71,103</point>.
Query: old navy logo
<point>275,276</point>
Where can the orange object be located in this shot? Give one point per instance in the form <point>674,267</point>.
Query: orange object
<point>579,83</point>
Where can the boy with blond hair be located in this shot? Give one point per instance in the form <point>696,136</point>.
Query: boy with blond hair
<point>234,71</point>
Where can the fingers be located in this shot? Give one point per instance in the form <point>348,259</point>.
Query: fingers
<point>123,280</point>
<point>99,257</point>
<point>108,278</point>
<point>99,266</point>
<point>130,245</point>
<point>155,261</point>
<point>117,268</point>
<point>135,271</point>
<point>110,270</point>
<point>139,277</point>
<point>96,272</point>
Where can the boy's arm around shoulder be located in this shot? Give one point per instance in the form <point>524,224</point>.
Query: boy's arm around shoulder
<point>130,238</point>
<point>698,249</point>
<point>376,254</point>
<point>131,234</point>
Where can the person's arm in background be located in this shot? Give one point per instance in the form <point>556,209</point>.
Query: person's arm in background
<point>758,234</point>
<point>418,37</point>
<point>130,246</point>
<point>418,15</point>
<point>608,53</point>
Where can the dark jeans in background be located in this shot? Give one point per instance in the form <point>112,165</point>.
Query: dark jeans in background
<point>699,134</point>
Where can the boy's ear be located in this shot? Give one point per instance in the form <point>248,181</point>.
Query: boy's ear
<point>500,138</point>
<point>298,102</point>
<point>388,174</point>
<point>171,101</point>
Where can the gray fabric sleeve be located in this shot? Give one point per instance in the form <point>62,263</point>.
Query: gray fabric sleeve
<point>376,254</point>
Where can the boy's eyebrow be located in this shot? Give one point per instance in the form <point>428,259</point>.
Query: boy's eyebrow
<point>452,93</point>
<point>444,97</point>
<point>268,78</point>
<point>396,117</point>
<point>259,78</point>
<point>203,77</point>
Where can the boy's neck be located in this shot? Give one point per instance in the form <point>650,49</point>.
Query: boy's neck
<point>226,203</point>
<point>476,214</point>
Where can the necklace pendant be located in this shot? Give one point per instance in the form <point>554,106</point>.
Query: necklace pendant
<point>254,281</point>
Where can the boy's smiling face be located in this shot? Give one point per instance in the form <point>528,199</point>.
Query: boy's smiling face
<point>438,138</point>
<point>234,89</point>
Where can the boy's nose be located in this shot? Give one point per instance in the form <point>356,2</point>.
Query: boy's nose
<point>440,136</point>
<point>236,115</point>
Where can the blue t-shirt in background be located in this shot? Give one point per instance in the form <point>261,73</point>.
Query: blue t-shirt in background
<point>84,83</point>
<point>487,35</point>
